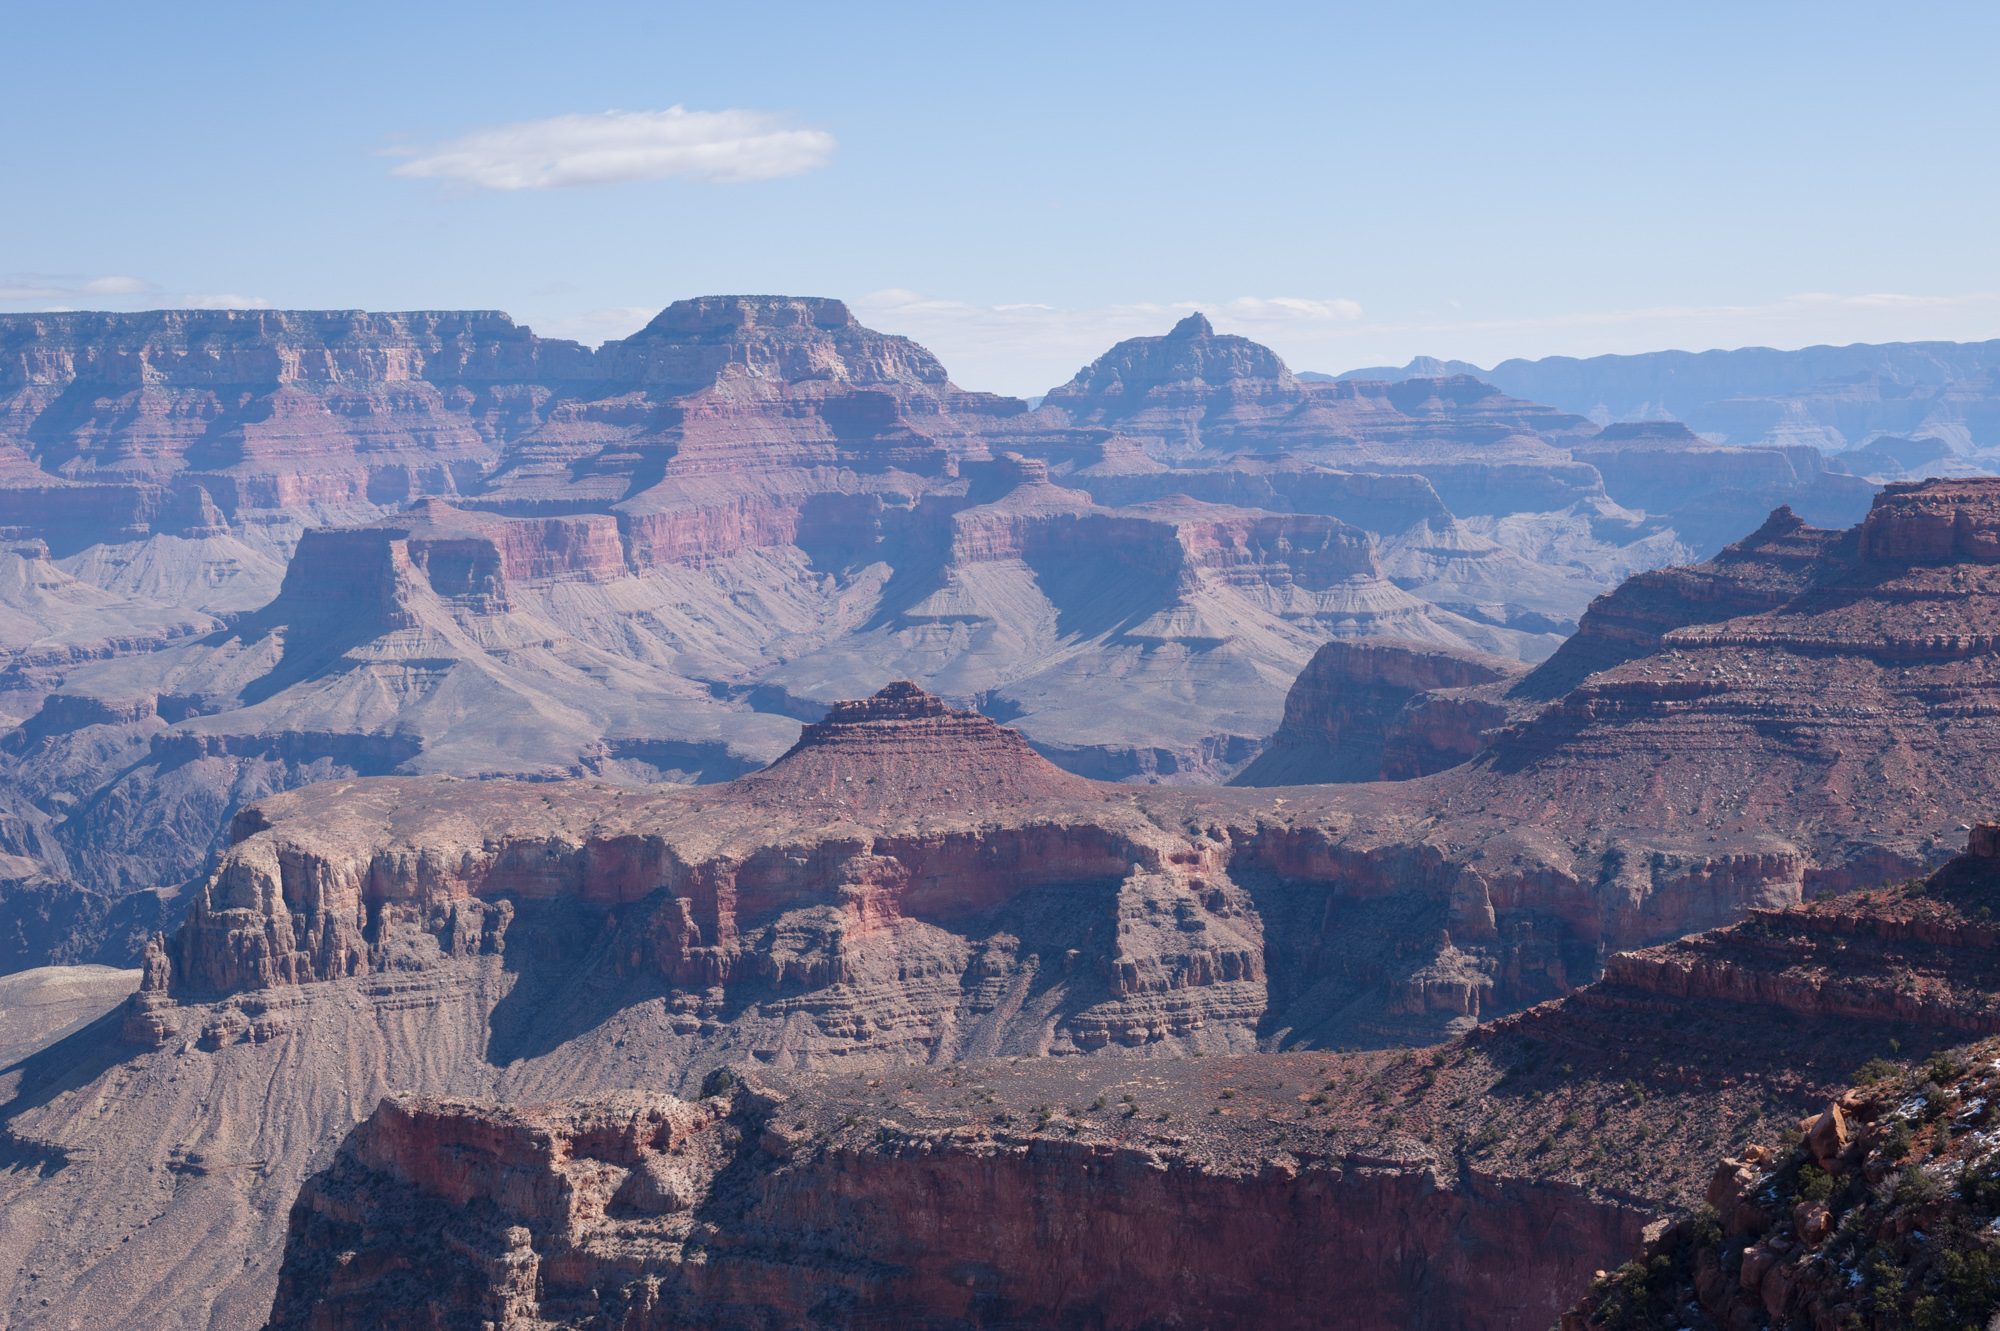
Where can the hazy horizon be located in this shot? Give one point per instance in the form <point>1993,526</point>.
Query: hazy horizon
<point>1019,191</point>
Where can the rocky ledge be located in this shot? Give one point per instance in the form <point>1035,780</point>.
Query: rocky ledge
<point>764,1207</point>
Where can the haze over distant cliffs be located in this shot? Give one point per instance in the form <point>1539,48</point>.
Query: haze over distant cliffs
<point>458,730</point>
<point>1834,398</point>
<point>249,550</point>
<point>935,966</point>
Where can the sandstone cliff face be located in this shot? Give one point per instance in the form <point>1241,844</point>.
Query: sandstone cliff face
<point>1877,1210</point>
<point>650,1213</point>
<point>1474,1185</point>
<point>1376,709</point>
<point>1195,391</point>
<point>1484,1180</point>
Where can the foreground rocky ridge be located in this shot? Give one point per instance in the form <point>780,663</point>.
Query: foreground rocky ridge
<point>1878,1211</point>
<point>1481,1178</point>
<point>200,1134</point>
<point>764,1208</point>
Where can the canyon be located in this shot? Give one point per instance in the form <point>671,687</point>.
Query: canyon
<point>730,826</point>
<point>252,550</point>
<point>953,961</point>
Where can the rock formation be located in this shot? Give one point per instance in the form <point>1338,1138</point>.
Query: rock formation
<point>1877,1209</point>
<point>1504,1165</point>
<point>657,557</point>
<point>757,1208</point>
<point>1378,709</point>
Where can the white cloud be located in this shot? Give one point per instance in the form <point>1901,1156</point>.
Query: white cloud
<point>54,294</point>
<point>721,147</point>
<point>116,286</point>
<point>41,289</point>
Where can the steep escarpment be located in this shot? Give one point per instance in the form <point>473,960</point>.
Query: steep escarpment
<point>1759,572</point>
<point>1528,1127</point>
<point>835,904</point>
<point>760,1207</point>
<point>1380,709</point>
<point>1481,1180</point>
<point>1877,1210</point>
<point>1195,391</point>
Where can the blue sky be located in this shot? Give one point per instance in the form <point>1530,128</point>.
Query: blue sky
<point>1019,185</point>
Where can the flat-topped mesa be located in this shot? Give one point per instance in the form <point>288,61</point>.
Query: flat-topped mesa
<point>1643,434</point>
<point>904,750</point>
<point>695,343</point>
<point>1934,522</point>
<point>165,349</point>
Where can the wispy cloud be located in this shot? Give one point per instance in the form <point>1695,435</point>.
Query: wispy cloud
<point>38,288</point>
<point>612,147</point>
<point>41,291</point>
<point>227,300</point>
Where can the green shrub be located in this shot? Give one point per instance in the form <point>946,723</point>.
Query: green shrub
<point>1944,1069</point>
<point>1874,1070</point>
<point>1815,1184</point>
<point>1916,1187</point>
<point>1980,1184</point>
<point>1897,1142</point>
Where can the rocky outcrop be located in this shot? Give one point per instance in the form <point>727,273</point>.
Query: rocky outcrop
<point>1569,1126</point>
<point>1378,709</point>
<point>1877,1209</point>
<point>747,1211</point>
<point>1195,391</point>
<point>1478,1183</point>
<point>1759,572</point>
<point>891,753</point>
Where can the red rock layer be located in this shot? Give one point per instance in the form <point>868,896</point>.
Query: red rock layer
<point>650,1213</point>
<point>1374,709</point>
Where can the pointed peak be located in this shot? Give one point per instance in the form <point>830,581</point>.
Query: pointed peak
<point>901,700</point>
<point>1195,325</point>
<point>904,750</point>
